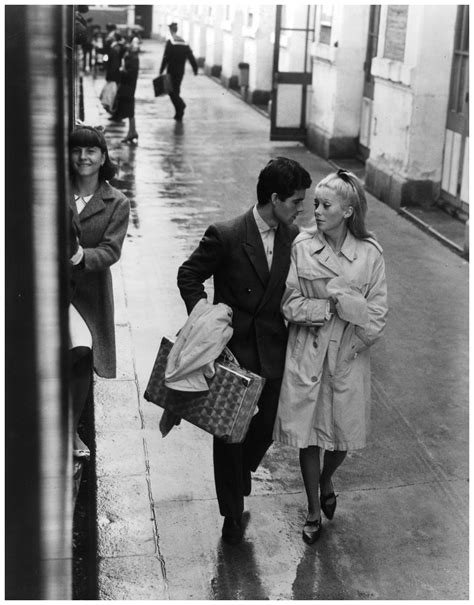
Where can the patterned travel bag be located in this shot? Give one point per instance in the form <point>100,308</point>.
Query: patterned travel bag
<point>224,411</point>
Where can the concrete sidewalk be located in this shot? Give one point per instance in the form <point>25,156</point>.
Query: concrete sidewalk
<point>401,528</point>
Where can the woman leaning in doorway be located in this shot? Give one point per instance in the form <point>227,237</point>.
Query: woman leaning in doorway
<point>101,213</point>
<point>336,305</point>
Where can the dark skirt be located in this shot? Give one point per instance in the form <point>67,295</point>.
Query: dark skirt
<point>126,89</point>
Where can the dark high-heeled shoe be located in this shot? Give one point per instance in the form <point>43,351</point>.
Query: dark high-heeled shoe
<point>328,503</point>
<point>133,139</point>
<point>312,531</point>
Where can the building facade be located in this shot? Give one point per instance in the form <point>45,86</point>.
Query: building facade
<point>387,84</point>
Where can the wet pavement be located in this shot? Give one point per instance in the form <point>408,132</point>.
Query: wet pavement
<point>401,526</point>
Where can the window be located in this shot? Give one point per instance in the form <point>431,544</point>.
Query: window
<point>250,18</point>
<point>459,73</point>
<point>326,23</point>
<point>372,45</point>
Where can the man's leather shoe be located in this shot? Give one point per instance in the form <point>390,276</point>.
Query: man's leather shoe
<point>232,531</point>
<point>247,481</point>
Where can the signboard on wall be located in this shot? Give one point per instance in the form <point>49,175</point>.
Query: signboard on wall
<point>396,29</point>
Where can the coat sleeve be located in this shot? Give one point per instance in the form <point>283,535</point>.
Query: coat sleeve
<point>368,312</point>
<point>193,61</point>
<point>202,263</point>
<point>295,306</point>
<point>108,251</point>
<point>166,58</point>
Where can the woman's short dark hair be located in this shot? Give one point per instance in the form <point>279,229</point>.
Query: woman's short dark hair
<point>88,136</point>
<point>283,177</point>
<point>352,193</point>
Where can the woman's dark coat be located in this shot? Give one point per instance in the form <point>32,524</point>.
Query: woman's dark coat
<point>127,85</point>
<point>104,223</point>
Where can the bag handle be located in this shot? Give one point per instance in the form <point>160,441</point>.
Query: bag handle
<point>227,355</point>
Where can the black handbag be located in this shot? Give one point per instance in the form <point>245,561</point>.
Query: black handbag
<point>225,410</point>
<point>162,85</point>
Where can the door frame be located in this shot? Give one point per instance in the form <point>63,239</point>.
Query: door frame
<point>303,78</point>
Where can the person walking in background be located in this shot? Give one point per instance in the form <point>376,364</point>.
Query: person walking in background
<point>114,53</point>
<point>101,213</point>
<point>249,258</point>
<point>125,102</point>
<point>177,52</point>
<point>336,304</point>
<point>111,30</point>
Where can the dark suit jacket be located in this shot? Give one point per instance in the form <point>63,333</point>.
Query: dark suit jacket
<point>175,56</point>
<point>233,253</point>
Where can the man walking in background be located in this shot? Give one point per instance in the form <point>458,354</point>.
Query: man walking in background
<point>177,51</point>
<point>249,258</point>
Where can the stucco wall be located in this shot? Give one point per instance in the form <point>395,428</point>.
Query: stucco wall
<point>410,98</point>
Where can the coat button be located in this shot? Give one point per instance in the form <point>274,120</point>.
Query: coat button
<point>249,289</point>
<point>314,379</point>
<point>315,344</point>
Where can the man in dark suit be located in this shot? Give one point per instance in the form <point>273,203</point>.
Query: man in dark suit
<point>249,259</point>
<point>177,51</point>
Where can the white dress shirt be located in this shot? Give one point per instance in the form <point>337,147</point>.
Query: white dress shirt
<point>267,234</point>
<point>81,201</point>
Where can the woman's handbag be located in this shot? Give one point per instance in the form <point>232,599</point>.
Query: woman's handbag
<point>225,410</point>
<point>108,96</point>
<point>162,85</point>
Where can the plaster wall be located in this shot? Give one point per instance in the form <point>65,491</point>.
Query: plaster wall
<point>213,51</point>
<point>350,70</point>
<point>258,48</point>
<point>232,43</point>
<point>432,81</point>
<point>338,75</point>
<point>197,35</point>
<point>410,98</point>
<point>324,89</point>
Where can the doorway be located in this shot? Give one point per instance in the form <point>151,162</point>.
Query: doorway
<point>292,72</point>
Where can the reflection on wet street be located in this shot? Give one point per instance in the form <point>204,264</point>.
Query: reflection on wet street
<point>180,178</point>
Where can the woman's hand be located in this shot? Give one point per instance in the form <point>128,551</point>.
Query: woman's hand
<point>332,305</point>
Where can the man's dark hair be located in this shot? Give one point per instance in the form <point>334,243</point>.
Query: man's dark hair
<point>283,177</point>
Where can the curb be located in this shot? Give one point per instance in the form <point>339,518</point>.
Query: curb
<point>433,232</point>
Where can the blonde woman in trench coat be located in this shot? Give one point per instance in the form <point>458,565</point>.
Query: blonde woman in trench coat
<point>336,305</point>
<point>102,214</point>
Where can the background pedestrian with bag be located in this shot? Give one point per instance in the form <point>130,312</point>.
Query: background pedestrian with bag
<point>336,304</point>
<point>177,52</point>
<point>101,212</point>
<point>249,258</point>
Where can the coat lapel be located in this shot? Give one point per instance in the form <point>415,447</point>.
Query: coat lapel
<point>254,249</point>
<point>95,204</point>
<point>327,258</point>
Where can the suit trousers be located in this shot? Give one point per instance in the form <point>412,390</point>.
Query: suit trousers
<point>175,95</point>
<point>231,461</point>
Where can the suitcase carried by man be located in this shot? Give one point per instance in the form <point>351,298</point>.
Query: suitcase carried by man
<point>162,85</point>
<point>225,410</point>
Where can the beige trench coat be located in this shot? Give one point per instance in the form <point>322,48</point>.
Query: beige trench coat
<point>325,394</point>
